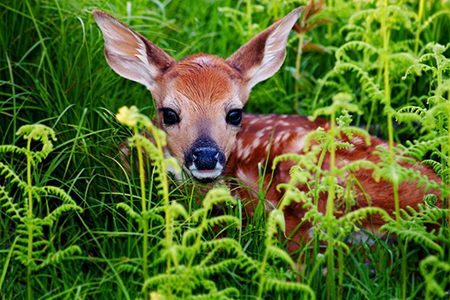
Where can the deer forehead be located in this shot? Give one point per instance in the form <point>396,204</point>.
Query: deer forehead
<point>203,83</point>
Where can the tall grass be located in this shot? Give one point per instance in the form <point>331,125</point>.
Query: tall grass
<point>388,59</point>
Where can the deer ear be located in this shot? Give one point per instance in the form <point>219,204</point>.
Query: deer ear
<point>130,54</point>
<point>263,55</point>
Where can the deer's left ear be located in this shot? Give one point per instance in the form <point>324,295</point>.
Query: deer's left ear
<point>263,55</point>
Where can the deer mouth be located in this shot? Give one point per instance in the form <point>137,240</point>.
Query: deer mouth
<point>206,176</point>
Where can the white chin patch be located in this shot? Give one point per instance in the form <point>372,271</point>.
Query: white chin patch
<point>206,174</point>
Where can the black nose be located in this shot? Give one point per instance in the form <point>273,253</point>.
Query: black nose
<point>205,158</point>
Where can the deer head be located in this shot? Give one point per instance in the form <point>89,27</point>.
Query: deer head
<point>199,99</point>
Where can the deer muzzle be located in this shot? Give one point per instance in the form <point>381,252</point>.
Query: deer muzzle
<point>204,160</point>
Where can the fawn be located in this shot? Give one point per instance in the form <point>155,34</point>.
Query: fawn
<point>200,102</point>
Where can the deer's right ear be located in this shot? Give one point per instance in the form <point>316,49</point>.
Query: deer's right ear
<point>130,54</point>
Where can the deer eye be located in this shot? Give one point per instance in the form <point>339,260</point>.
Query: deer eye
<point>170,117</point>
<point>234,117</point>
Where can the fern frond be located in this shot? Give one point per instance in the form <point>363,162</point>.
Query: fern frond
<point>7,172</point>
<point>279,286</point>
<point>176,209</point>
<point>162,279</point>
<point>39,132</point>
<point>210,257</point>
<point>12,149</point>
<point>437,166</point>
<point>400,62</point>
<point>372,89</point>
<point>227,244</point>
<point>424,214</point>
<point>418,149</point>
<point>429,268</point>
<point>422,180</point>
<point>356,165</point>
<point>188,235</point>
<point>130,212</point>
<point>274,221</point>
<point>223,219</point>
<point>129,268</point>
<point>410,114</point>
<point>151,215</point>
<point>220,267</point>
<point>348,221</point>
<point>61,255</point>
<point>53,190</point>
<point>51,217</point>
<point>283,255</point>
<point>225,294</point>
<point>12,208</point>
<point>401,16</point>
<point>422,238</point>
<point>413,226</point>
<point>350,132</point>
<point>432,19</point>
<point>354,46</point>
<point>217,196</point>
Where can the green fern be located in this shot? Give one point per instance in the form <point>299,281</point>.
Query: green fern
<point>32,248</point>
<point>414,226</point>
<point>430,267</point>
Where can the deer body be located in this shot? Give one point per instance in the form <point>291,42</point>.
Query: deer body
<point>263,137</point>
<point>200,100</point>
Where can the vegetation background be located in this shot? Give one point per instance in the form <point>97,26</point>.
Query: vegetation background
<point>389,57</point>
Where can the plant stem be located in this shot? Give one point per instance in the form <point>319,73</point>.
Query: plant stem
<point>445,186</point>
<point>402,245</point>
<point>249,17</point>
<point>330,213</point>
<point>261,283</point>
<point>340,272</point>
<point>196,246</point>
<point>144,210</point>
<point>29,223</point>
<point>419,18</point>
<point>165,187</point>
<point>330,7</point>
<point>387,92</point>
<point>416,44</point>
<point>297,67</point>
<point>446,205</point>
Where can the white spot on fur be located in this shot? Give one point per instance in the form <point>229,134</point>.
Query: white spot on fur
<point>245,153</point>
<point>278,139</point>
<point>256,142</point>
<point>247,178</point>
<point>298,144</point>
<point>357,141</point>
<point>254,121</point>
<point>238,146</point>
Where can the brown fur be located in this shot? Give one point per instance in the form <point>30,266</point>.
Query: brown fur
<point>291,129</point>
